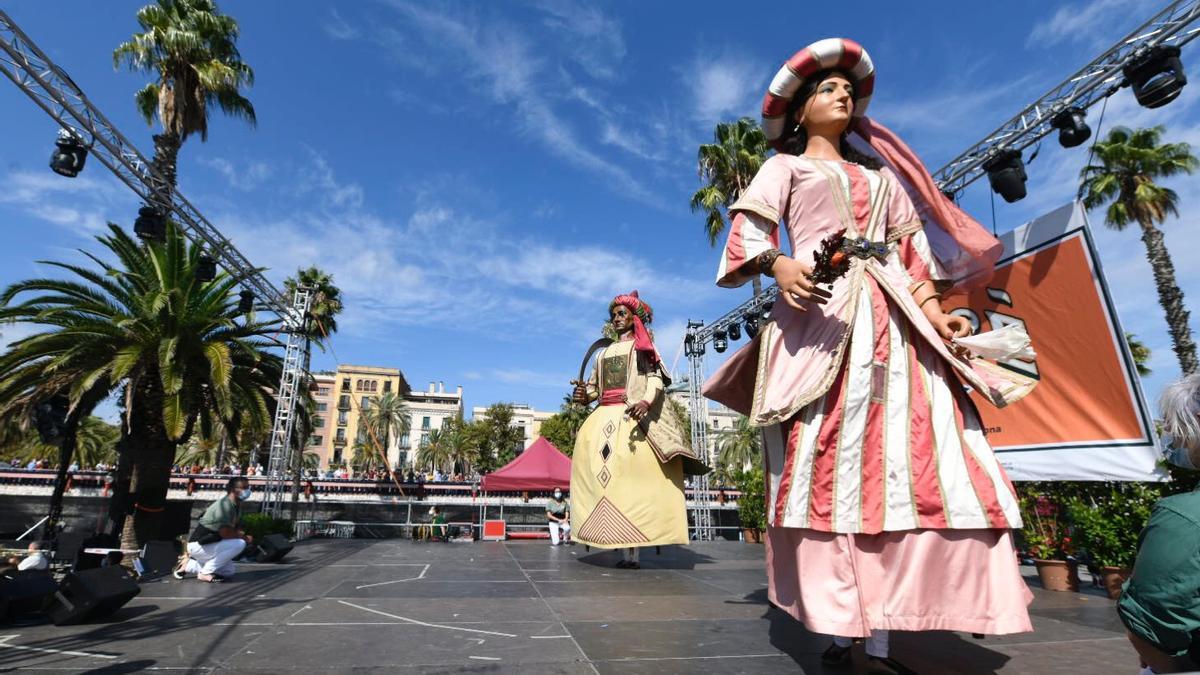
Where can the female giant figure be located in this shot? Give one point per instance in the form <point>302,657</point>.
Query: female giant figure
<point>887,509</point>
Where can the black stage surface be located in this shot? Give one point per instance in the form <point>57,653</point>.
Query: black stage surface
<point>520,607</point>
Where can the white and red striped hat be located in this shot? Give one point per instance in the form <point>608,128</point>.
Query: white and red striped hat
<point>840,53</point>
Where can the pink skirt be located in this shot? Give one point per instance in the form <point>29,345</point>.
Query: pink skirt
<point>962,580</point>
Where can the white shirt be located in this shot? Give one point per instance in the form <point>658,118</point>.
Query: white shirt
<point>36,561</point>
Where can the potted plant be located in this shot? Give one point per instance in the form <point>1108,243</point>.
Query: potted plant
<point>1048,541</point>
<point>1107,524</point>
<point>752,509</point>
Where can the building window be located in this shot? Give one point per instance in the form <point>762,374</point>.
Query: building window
<point>387,386</point>
<point>342,417</point>
<point>318,422</point>
<point>366,403</point>
<point>374,386</point>
<point>341,435</point>
<point>322,391</point>
<point>424,422</point>
<point>424,438</point>
<point>322,407</point>
<point>337,456</point>
<point>314,440</point>
<point>346,384</point>
<point>404,441</point>
<point>344,402</point>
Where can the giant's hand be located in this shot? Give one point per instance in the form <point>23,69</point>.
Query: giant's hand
<point>951,326</point>
<point>794,285</point>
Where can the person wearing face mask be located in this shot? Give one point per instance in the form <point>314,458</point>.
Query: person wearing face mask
<point>558,512</point>
<point>1160,603</point>
<point>217,540</point>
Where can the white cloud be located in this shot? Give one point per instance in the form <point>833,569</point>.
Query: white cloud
<point>593,40</point>
<point>244,176</point>
<point>338,28</point>
<point>1080,23</point>
<point>724,87</point>
<point>502,61</point>
<point>83,204</point>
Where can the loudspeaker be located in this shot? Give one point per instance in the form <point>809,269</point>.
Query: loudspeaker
<point>158,558</point>
<point>25,593</point>
<point>273,547</point>
<point>92,594</point>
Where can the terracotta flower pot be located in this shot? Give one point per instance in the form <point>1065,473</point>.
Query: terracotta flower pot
<point>751,535</point>
<point>1058,575</point>
<point>1113,577</point>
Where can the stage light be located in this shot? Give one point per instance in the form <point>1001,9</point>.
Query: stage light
<point>1006,173</point>
<point>50,418</point>
<point>689,345</point>
<point>735,331</point>
<point>1072,130</point>
<point>750,320</point>
<point>68,156</point>
<point>245,302</point>
<point>949,194</point>
<point>1157,76</point>
<point>206,269</point>
<point>720,342</point>
<point>150,224</point>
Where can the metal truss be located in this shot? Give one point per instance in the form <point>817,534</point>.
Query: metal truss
<point>280,457</point>
<point>54,92</point>
<point>1097,80</point>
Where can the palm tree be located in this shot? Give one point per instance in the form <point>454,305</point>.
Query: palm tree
<point>1140,353</point>
<point>321,322</point>
<point>191,48</point>
<point>436,451</point>
<point>728,165</point>
<point>95,443</point>
<point>147,327</point>
<point>387,418</point>
<point>739,445</point>
<point>1128,163</point>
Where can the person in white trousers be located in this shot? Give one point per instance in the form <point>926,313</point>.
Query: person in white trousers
<point>217,540</point>
<point>558,512</point>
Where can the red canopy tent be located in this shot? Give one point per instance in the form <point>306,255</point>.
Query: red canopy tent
<point>540,467</point>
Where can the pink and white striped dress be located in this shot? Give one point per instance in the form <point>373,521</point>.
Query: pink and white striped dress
<point>886,506</point>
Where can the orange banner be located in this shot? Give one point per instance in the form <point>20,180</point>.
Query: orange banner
<point>1087,418</point>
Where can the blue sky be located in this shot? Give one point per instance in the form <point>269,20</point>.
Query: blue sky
<point>481,178</point>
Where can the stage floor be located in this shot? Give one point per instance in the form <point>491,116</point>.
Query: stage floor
<point>521,607</point>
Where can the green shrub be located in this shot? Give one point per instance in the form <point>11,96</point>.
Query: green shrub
<point>752,509</point>
<point>259,525</point>
<point>1108,522</point>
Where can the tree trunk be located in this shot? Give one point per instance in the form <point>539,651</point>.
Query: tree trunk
<point>166,156</point>
<point>152,454</point>
<point>1170,297</point>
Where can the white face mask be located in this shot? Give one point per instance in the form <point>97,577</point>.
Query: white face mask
<point>244,494</point>
<point>557,494</point>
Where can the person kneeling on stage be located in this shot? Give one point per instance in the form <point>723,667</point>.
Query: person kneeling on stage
<point>1160,603</point>
<point>217,540</point>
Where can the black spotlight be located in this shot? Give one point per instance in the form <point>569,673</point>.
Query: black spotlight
<point>720,341</point>
<point>949,194</point>
<point>750,319</point>
<point>150,224</point>
<point>1157,76</point>
<point>206,269</point>
<point>50,418</point>
<point>1006,173</point>
<point>245,302</point>
<point>735,331</point>
<point>689,345</point>
<point>68,156</point>
<point>1072,130</point>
